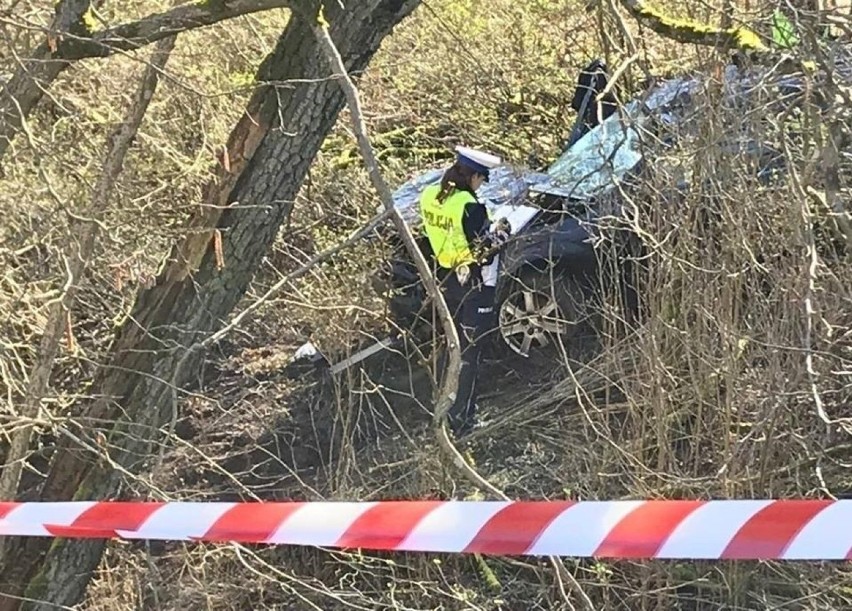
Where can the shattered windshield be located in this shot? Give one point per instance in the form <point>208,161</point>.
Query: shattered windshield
<point>596,162</point>
<point>603,156</point>
<point>598,159</point>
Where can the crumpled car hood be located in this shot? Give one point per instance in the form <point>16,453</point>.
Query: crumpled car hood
<point>592,166</point>
<point>605,155</point>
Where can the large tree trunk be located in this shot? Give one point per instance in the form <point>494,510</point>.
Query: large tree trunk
<point>273,145</point>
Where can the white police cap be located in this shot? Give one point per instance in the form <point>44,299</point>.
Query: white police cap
<point>479,161</point>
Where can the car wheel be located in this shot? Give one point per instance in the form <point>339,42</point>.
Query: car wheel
<point>540,309</point>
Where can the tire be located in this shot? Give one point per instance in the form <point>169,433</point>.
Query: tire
<point>542,309</point>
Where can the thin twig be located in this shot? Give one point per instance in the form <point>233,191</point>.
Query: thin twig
<point>454,367</point>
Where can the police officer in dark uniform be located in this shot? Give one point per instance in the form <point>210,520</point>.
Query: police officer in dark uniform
<point>464,243</point>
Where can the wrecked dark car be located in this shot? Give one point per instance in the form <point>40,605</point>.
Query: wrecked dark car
<point>568,247</point>
<point>552,270</point>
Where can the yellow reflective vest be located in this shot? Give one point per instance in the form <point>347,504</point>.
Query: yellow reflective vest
<point>442,223</point>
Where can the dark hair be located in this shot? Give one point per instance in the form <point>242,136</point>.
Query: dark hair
<point>458,177</point>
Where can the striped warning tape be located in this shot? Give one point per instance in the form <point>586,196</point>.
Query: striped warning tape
<point>744,529</point>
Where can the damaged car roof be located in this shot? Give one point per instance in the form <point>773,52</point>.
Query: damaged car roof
<point>594,164</point>
<point>603,157</point>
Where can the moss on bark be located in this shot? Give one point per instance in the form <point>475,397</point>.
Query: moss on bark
<point>694,32</point>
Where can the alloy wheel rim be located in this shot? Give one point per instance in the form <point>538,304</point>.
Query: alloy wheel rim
<point>528,319</point>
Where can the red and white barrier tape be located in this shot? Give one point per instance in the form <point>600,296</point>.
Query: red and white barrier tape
<point>758,529</point>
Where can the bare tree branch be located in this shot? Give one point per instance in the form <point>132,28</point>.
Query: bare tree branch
<point>454,362</point>
<point>70,38</point>
<point>119,144</point>
<point>693,32</point>
<point>36,73</point>
<point>129,36</point>
<point>450,385</point>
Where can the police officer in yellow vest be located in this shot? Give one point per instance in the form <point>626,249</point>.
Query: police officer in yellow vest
<point>464,245</point>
